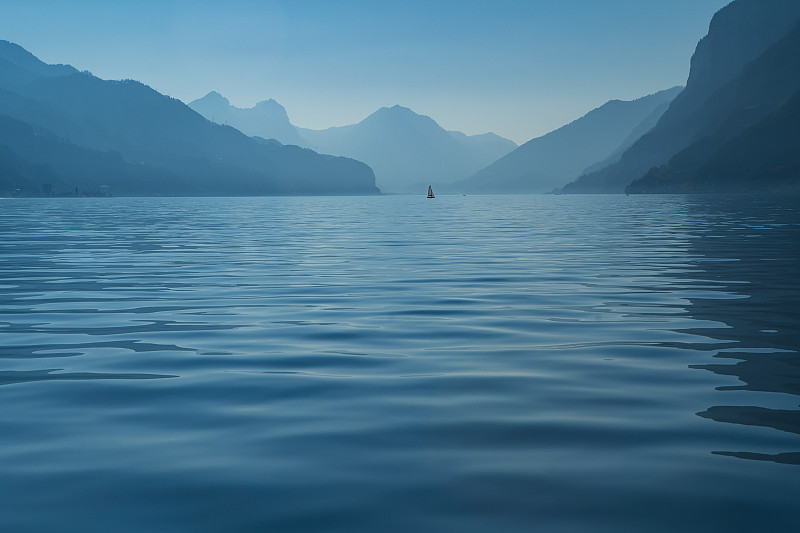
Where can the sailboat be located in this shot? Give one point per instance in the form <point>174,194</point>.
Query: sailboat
<point>430,192</point>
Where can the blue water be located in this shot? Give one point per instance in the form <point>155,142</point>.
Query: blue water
<point>397,364</point>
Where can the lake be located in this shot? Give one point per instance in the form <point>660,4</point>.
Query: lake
<point>398,364</point>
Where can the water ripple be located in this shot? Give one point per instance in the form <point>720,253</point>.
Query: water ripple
<point>479,363</point>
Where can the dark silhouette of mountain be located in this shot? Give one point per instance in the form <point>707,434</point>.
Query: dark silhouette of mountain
<point>267,119</point>
<point>764,158</point>
<point>406,149</point>
<point>550,161</point>
<point>756,146</point>
<point>37,162</point>
<point>738,34</point>
<point>148,128</point>
<point>19,177</point>
<point>18,67</point>
<point>644,126</point>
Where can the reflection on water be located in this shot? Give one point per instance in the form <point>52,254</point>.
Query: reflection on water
<point>8,378</point>
<point>395,364</point>
<point>752,247</point>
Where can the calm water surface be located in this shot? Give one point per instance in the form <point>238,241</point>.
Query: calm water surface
<point>397,364</point>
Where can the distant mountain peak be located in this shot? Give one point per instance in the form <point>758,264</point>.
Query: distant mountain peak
<point>215,97</point>
<point>272,109</point>
<point>270,105</point>
<point>268,102</point>
<point>494,136</point>
<point>267,119</point>
<point>398,114</point>
<point>396,110</point>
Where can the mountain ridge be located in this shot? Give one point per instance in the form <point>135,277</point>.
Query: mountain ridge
<point>738,33</point>
<point>267,118</point>
<point>550,161</point>
<point>765,91</point>
<point>146,127</point>
<point>404,148</point>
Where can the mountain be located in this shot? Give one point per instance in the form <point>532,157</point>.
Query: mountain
<point>485,146</point>
<point>756,146</point>
<point>151,130</point>
<point>33,161</point>
<point>20,176</point>
<point>738,34</point>
<point>637,133</point>
<point>407,150</point>
<point>18,67</point>
<point>763,158</point>
<point>552,160</point>
<point>267,119</point>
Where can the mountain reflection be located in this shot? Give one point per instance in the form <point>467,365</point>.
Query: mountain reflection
<point>751,248</point>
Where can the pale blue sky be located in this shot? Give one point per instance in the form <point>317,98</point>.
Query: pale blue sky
<point>518,68</point>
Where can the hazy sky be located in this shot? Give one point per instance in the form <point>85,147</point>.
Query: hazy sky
<point>518,68</point>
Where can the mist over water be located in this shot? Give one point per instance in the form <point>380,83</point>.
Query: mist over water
<point>481,363</point>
